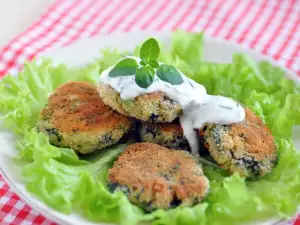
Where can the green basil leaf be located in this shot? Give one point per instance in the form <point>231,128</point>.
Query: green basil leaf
<point>144,76</point>
<point>150,50</point>
<point>169,74</point>
<point>126,67</point>
<point>143,62</point>
<point>153,63</point>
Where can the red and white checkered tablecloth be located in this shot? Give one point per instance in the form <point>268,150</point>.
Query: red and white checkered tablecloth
<point>271,27</point>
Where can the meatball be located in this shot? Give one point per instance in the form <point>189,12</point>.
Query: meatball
<point>169,135</point>
<point>155,177</point>
<point>153,107</point>
<point>247,148</point>
<point>77,118</point>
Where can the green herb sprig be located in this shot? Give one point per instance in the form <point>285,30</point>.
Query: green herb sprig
<point>145,70</point>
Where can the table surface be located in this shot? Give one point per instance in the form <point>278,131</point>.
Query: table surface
<point>17,15</point>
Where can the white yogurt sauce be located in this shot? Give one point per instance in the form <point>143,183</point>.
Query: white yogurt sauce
<point>199,108</point>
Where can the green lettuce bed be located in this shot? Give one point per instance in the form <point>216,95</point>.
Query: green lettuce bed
<point>65,182</point>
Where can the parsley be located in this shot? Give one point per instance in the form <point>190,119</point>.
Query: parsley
<point>144,76</point>
<point>145,71</point>
<point>153,63</point>
<point>126,67</point>
<point>169,74</point>
<point>149,50</point>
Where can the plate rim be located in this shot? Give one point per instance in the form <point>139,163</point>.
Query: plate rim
<point>43,210</point>
<point>289,73</point>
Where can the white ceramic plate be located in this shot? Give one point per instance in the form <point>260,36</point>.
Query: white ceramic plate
<point>83,52</point>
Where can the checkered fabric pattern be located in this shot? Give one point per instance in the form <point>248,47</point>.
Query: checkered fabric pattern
<point>271,27</point>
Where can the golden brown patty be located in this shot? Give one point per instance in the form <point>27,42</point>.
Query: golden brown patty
<point>247,147</point>
<point>77,118</point>
<point>155,177</point>
<point>169,135</point>
<point>153,107</point>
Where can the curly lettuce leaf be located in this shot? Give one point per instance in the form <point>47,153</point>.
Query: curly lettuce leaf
<point>64,186</point>
<point>263,88</point>
<point>67,182</point>
<point>195,215</point>
<point>23,97</point>
<point>188,46</point>
<point>33,143</point>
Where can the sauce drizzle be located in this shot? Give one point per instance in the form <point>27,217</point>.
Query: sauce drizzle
<point>199,108</point>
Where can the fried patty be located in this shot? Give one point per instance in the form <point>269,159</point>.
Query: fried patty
<point>77,118</point>
<point>247,148</point>
<point>155,177</point>
<point>153,107</point>
<point>169,135</point>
